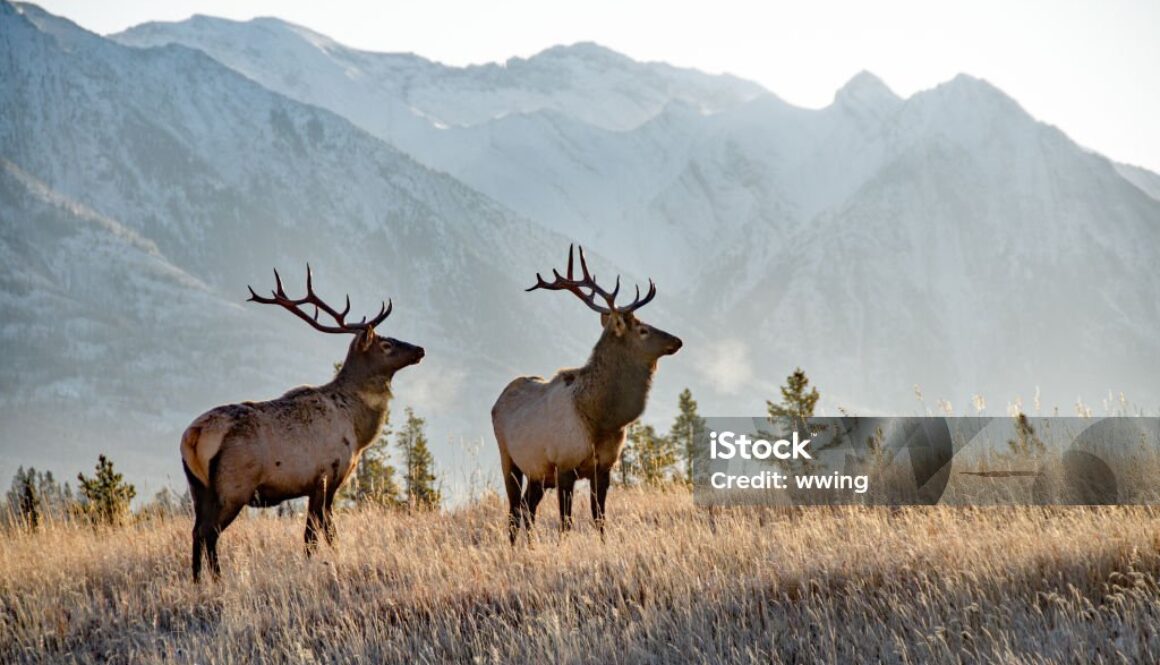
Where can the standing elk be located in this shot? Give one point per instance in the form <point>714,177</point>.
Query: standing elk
<point>305,443</point>
<point>572,427</point>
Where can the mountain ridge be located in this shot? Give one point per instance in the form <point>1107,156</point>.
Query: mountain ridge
<point>948,239</point>
<point>227,179</point>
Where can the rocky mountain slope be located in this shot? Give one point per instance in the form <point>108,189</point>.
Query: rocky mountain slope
<point>947,239</point>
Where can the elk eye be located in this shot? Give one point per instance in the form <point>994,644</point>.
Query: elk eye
<point>644,332</point>
<point>386,346</point>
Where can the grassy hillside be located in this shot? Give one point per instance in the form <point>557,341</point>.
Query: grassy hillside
<point>673,583</point>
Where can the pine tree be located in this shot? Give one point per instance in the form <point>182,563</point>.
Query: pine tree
<point>688,431</point>
<point>106,495</point>
<point>652,455</point>
<point>24,498</point>
<point>797,401</point>
<point>375,482</point>
<point>658,456</point>
<point>418,463</point>
<point>1026,445</point>
<point>56,498</point>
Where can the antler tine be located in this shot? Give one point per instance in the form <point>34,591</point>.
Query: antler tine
<point>637,303</point>
<point>311,299</point>
<point>588,281</point>
<point>583,265</point>
<point>384,312</point>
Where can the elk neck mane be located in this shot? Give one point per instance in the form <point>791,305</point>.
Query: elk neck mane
<point>613,386</point>
<point>367,397</point>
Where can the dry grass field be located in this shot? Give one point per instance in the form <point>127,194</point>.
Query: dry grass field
<point>674,583</point>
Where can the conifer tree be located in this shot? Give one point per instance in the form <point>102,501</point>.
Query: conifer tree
<point>106,496</point>
<point>24,498</point>
<point>688,431</point>
<point>418,464</point>
<point>655,455</point>
<point>1026,445</point>
<point>797,404</point>
<point>797,401</point>
<point>375,482</point>
<point>54,497</point>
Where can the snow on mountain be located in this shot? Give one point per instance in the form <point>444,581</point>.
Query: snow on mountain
<point>564,138</point>
<point>947,239</point>
<point>585,81</point>
<point>982,252</point>
<point>200,181</point>
<point>868,95</point>
<point>571,137</point>
<point>92,352</point>
<point>1148,182</point>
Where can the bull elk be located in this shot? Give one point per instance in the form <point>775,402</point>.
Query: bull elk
<point>572,427</point>
<point>304,443</point>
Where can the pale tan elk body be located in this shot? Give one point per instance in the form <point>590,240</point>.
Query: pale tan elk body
<point>542,431</point>
<point>572,427</point>
<point>304,443</point>
<point>309,436</point>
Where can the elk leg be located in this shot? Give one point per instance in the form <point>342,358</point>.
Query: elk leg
<point>205,506</point>
<point>600,481</point>
<point>213,530</point>
<point>329,531</point>
<point>513,482</point>
<point>532,499</point>
<point>564,486</point>
<point>211,553</point>
<point>198,547</point>
<point>314,521</point>
<point>198,493</point>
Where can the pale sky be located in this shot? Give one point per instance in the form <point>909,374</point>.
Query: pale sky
<point>1091,68</point>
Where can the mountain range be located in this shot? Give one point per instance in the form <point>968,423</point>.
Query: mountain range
<point>947,240</point>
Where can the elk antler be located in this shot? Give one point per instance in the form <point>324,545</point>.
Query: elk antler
<point>280,298</point>
<point>588,281</point>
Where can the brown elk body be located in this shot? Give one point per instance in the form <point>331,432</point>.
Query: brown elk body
<point>302,444</point>
<point>572,427</point>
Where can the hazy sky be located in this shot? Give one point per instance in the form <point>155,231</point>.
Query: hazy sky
<point>1091,68</point>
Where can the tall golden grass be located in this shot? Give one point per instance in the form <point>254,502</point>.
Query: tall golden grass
<point>673,583</point>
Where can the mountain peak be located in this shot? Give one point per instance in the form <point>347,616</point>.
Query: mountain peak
<point>865,90</point>
<point>66,33</point>
<point>964,81</point>
<point>590,51</point>
<point>966,91</point>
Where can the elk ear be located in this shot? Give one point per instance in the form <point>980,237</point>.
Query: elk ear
<point>616,321</point>
<point>365,339</point>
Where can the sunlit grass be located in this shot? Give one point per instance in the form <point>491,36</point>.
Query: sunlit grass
<point>672,583</point>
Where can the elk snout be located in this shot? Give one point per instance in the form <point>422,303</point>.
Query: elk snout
<point>674,346</point>
<point>412,352</point>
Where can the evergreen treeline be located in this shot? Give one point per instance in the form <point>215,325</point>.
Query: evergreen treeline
<point>649,458</point>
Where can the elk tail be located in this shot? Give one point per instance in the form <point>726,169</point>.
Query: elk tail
<point>198,447</point>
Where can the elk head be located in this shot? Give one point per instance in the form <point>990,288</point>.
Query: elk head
<point>371,359</point>
<point>620,324</point>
